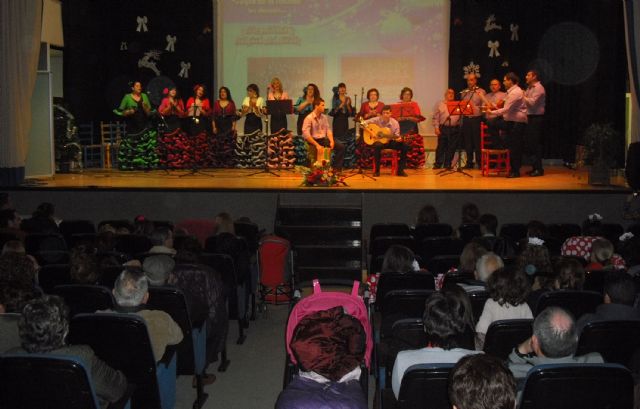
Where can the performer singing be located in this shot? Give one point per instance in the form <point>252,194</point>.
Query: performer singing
<point>224,113</point>
<point>253,108</point>
<point>495,99</point>
<point>304,104</point>
<point>341,110</point>
<point>447,129</point>
<point>514,113</point>
<point>172,108</point>
<point>276,93</point>
<point>372,106</point>
<point>410,116</point>
<point>317,133</point>
<point>199,110</point>
<point>534,98</point>
<point>471,123</point>
<point>386,121</point>
<point>135,107</point>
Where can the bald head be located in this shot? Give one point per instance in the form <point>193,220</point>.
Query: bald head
<point>556,334</point>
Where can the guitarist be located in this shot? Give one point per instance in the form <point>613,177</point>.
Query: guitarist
<point>318,134</point>
<point>386,121</point>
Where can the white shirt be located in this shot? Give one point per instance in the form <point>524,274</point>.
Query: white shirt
<point>493,312</point>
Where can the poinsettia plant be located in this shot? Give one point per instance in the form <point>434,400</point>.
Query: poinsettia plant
<point>320,174</point>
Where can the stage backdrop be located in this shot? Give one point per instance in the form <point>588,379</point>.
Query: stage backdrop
<point>384,44</point>
<point>579,50</point>
<point>109,43</point>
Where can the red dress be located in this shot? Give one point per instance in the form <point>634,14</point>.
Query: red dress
<point>365,109</point>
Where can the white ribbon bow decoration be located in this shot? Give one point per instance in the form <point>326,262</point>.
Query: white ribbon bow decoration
<point>171,43</point>
<point>123,46</point>
<point>514,32</point>
<point>493,46</point>
<point>185,67</point>
<point>142,24</point>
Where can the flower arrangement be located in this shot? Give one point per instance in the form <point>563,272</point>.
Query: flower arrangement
<point>320,174</point>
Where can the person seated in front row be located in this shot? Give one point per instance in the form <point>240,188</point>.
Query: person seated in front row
<point>554,341</point>
<point>318,134</point>
<point>392,126</point>
<point>444,323</point>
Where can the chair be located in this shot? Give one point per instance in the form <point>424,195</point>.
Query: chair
<point>388,229</point>
<point>577,303</point>
<point>82,298</point>
<point>132,244</point>
<point>616,341</point>
<point>457,277</point>
<point>405,333</point>
<point>388,157</point>
<point>70,227</point>
<point>88,239</point>
<point>403,281</point>
<point>117,224</point>
<point>52,257</point>
<point>275,266</point>
<point>381,244</point>
<point>513,231</point>
<point>45,381</point>
<point>439,246</point>
<point>611,231</point>
<point>563,231</point>
<point>442,264</point>
<point>131,354</point>
<point>422,231</point>
<point>594,281</point>
<point>192,353</point>
<point>92,153</point>
<point>250,232</point>
<point>478,299</point>
<point>577,386</point>
<point>469,231</point>
<point>200,228</point>
<point>493,161</point>
<point>423,386</point>
<point>111,134</point>
<point>503,335</point>
<point>109,275</point>
<point>399,304</point>
<point>52,275</point>
<point>38,242</point>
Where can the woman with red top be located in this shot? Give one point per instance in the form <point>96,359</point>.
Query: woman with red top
<point>224,113</point>
<point>410,113</point>
<point>198,111</point>
<point>172,108</point>
<point>372,107</point>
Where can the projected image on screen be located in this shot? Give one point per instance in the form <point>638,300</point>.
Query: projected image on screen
<point>386,44</point>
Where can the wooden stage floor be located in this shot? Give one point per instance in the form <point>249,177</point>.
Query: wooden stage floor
<point>556,179</point>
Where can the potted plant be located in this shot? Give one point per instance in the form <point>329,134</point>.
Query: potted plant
<point>600,142</point>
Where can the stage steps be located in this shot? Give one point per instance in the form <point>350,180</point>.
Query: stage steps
<point>326,239</point>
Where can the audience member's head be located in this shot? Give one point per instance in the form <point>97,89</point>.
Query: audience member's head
<point>592,225</point>
<point>157,268</point>
<point>470,255</point>
<point>508,286</point>
<point>459,293</point>
<point>470,213</point>
<point>9,219</point>
<point>488,224</point>
<point>428,214</point>
<point>534,259</point>
<point>554,333</point>
<point>13,298</point>
<point>629,249</point>
<point>131,288</point>
<point>83,265</point>
<point>486,265</point>
<point>536,228</point>
<point>601,251</point>
<point>398,259</point>
<point>106,228</point>
<point>19,268</point>
<point>443,320</point>
<point>224,223</point>
<point>162,236</point>
<point>105,241</point>
<point>570,274</point>
<point>619,288</point>
<point>481,381</point>
<point>143,226</point>
<point>44,324</point>
<point>13,246</point>
<point>188,250</point>
<point>44,210</point>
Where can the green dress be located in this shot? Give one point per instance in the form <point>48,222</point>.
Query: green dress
<point>137,149</point>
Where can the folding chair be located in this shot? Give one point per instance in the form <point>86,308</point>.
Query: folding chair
<point>503,335</point>
<point>83,298</point>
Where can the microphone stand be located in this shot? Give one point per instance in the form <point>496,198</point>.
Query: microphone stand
<point>195,168</point>
<point>267,136</point>
<point>461,105</point>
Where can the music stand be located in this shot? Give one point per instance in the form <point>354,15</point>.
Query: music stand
<point>268,136</point>
<point>405,109</point>
<point>279,107</point>
<point>195,167</point>
<point>457,108</point>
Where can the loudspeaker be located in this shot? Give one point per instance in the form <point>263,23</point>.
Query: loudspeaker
<point>632,170</point>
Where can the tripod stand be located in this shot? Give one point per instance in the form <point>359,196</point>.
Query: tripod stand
<point>360,171</point>
<point>265,168</point>
<point>198,128</point>
<point>456,108</point>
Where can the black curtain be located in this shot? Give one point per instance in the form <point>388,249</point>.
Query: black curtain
<point>103,49</point>
<point>578,47</point>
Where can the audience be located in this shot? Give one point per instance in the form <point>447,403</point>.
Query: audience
<point>508,289</point>
<point>470,213</point>
<point>467,339</point>
<point>43,329</point>
<point>10,222</point>
<point>83,265</point>
<point>618,303</point>
<point>489,234</point>
<point>581,246</point>
<point>397,259</point>
<point>444,323</point>
<point>601,254</point>
<point>428,214</point>
<point>42,220</point>
<point>534,258</point>
<point>13,246</point>
<point>629,249</point>
<point>554,341</point>
<point>12,299</point>
<point>470,255</point>
<point>131,294</point>
<point>481,382</point>
<point>162,240</point>
<point>570,274</point>
<point>157,268</point>
<point>18,268</point>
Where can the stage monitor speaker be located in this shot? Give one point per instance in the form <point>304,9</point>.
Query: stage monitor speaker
<point>632,169</point>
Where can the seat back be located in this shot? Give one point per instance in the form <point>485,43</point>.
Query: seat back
<point>439,246</point>
<point>403,281</point>
<point>577,386</point>
<point>442,264</point>
<point>52,275</point>
<point>478,299</point>
<point>503,335</point>
<point>611,231</point>
<point>120,223</point>
<point>457,277</point>
<point>45,381</point>
<point>132,244</point>
<point>172,301</point>
<point>250,232</point>
<point>577,303</point>
<point>223,264</point>
<point>122,341</point>
<point>200,228</point>
<point>71,227</point>
<point>513,231</point>
<point>388,229</point>
<point>399,304</point>
<point>563,231</point>
<point>469,231</point>
<point>422,231</point>
<point>83,298</point>
<point>594,281</point>
<point>425,386</point>
<point>381,244</point>
<point>39,242</point>
<point>616,341</point>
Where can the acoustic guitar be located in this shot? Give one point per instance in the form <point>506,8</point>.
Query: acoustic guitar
<point>374,133</point>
